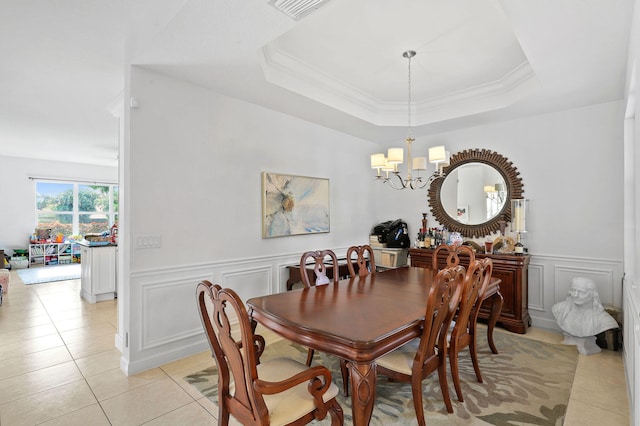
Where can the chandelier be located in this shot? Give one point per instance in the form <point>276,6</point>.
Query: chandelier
<point>387,167</point>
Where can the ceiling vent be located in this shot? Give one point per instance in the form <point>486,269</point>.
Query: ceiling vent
<point>297,9</point>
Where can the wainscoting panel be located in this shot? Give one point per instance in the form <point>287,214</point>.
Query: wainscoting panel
<point>167,325</point>
<point>550,280</point>
<point>602,278</point>
<point>536,287</point>
<point>169,311</point>
<point>251,282</point>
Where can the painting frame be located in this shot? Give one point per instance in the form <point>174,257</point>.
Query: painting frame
<point>294,205</point>
<point>463,213</point>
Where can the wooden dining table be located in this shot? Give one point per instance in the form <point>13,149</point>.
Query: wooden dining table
<point>358,319</point>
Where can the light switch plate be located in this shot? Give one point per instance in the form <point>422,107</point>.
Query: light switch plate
<point>148,241</point>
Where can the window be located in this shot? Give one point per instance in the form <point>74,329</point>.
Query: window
<point>75,208</point>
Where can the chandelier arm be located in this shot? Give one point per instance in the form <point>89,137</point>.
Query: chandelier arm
<point>389,181</point>
<point>402,182</point>
<point>394,186</point>
<point>427,182</point>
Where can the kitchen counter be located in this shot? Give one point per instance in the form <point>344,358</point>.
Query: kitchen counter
<point>86,243</point>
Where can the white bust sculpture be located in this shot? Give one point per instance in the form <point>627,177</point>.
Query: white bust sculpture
<point>582,316</point>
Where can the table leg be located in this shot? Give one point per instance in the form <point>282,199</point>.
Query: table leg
<point>363,391</point>
<point>496,306</point>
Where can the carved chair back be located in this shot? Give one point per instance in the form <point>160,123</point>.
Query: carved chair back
<point>442,303</point>
<point>425,355</point>
<point>364,260</point>
<point>236,360</point>
<point>464,332</point>
<point>453,254</point>
<point>241,392</point>
<point>319,267</point>
<point>476,281</point>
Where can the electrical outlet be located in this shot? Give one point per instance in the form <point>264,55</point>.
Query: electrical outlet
<point>148,241</point>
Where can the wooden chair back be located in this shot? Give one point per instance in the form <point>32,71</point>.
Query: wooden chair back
<point>320,271</point>
<point>443,300</point>
<point>486,271</point>
<point>464,332</point>
<point>475,283</point>
<point>241,392</point>
<point>453,254</point>
<point>364,260</point>
<point>426,354</point>
<point>236,360</point>
<point>319,267</point>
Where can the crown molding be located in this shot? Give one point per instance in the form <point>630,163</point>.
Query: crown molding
<point>285,70</point>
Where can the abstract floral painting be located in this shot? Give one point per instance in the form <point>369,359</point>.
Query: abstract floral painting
<point>294,205</point>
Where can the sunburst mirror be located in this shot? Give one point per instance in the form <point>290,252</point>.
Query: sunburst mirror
<point>475,194</point>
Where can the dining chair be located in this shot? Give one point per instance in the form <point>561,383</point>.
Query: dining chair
<point>279,391</point>
<point>453,254</point>
<point>463,331</point>
<point>320,270</point>
<point>320,258</point>
<point>416,360</point>
<point>364,260</point>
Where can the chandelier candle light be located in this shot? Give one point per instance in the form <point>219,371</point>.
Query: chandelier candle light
<point>395,156</point>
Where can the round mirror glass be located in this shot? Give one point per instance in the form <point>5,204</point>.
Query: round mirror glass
<point>473,193</point>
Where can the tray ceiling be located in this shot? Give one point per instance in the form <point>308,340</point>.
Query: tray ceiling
<point>339,64</point>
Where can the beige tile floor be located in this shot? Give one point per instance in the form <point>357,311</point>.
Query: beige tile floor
<point>59,366</point>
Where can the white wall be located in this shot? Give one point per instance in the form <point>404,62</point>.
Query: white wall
<point>571,166</point>
<point>17,208</point>
<point>631,327</point>
<point>194,167</point>
<point>194,180</point>
<point>195,164</point>
<point>571,163</point>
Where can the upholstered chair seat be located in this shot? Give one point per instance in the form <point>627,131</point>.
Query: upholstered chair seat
<point>259,392</point>
<point>294,403</point>
<point>401,359</point>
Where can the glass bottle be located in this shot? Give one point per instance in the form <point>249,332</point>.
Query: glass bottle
<point>519,248</point>
<point>427,240</point>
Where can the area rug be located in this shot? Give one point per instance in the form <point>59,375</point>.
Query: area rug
<point>527,383</point>
<point>45,274</point>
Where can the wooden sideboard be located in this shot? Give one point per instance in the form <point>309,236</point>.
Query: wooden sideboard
<point>512,270</point>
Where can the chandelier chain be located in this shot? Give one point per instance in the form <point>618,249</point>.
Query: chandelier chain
<point>389,165</point>
<point>409,96</point>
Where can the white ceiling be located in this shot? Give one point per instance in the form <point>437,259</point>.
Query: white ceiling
<point>341,66</point>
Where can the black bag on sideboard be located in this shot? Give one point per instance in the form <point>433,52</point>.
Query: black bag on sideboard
<point>394,233</point>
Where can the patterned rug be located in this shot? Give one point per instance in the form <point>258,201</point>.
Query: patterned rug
<point>527,383</point>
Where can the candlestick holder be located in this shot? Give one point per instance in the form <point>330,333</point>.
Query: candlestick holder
<point>503,246</point>
<point>519,222</point>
